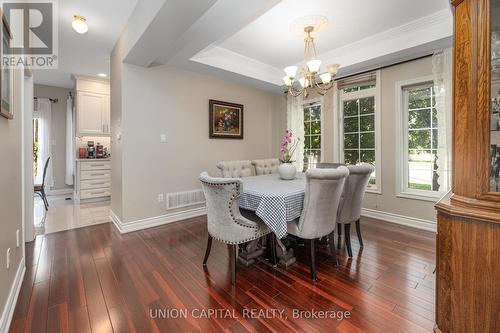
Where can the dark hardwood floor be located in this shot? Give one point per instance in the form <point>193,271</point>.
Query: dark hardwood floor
<point>95,280</point>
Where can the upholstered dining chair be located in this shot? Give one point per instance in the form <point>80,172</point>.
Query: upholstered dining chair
<point>351,202</point>
<point>266,166</point>
<point>236,169</point>
<point>321,200</point>
<point>224,220</point>
<point>40,188</point>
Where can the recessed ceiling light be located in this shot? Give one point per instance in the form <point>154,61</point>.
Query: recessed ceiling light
<point>80,24</point>
<point>102,75</point>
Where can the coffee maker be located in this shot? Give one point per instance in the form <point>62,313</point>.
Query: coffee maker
<point>90,149</point>
<point>99,150</point>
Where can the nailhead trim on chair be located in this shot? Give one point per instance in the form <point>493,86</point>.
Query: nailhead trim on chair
<point>236,194</point>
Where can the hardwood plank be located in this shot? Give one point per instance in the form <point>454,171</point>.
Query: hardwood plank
<point>96,280</point>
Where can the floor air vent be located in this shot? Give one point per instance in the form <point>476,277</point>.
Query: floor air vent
<point>185,199</point>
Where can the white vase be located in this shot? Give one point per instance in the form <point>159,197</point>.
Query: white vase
<point>287,171</point>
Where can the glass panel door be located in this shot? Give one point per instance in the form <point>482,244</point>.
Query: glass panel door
<point>495,97</point>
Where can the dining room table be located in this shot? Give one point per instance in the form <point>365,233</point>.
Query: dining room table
<point>276,202</point>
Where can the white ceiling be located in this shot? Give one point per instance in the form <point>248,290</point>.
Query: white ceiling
<point>361,35</point>
<point>86,54</point>
<point>268,39</point>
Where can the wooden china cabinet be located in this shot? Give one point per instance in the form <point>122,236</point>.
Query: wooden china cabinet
<point>468,238</point>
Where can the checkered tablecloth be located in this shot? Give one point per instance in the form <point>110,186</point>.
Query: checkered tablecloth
<point>274,200</point>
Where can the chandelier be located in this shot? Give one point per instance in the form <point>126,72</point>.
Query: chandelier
<point>310,74</point>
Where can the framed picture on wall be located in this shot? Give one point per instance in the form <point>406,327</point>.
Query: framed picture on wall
<point>6,76</point>
<point>226,120</point>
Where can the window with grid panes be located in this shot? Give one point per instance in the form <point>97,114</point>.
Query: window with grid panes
<point>358,111</point>
<point>312,135</point>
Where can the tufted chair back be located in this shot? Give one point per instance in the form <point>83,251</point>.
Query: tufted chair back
<point>266,166</point>
<point>323,190</point>
<point>354,191</point>
<point>225,222</point>
<point>236,169</point>
<point>324,165</point>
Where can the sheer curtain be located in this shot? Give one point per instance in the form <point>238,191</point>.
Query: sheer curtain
<point>442,72</point>
<point>43,112</point>
<point>70,154</point>
<point>295,123</point>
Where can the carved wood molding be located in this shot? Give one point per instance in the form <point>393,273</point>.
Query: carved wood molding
<point>470,209</point>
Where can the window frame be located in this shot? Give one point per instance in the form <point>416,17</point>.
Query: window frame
<point>311,103</point>
<point>402,170</point>
<point>371,92</point>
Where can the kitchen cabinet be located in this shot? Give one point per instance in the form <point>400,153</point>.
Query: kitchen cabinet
<point>93,179</point>
<point>92,107</point>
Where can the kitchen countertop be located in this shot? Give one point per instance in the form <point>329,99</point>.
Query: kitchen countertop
<point>93,159</point>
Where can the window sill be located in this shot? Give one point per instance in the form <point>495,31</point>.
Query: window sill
<point>418,196</point>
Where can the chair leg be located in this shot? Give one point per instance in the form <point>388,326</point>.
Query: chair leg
<point>273,248</point>
<point>207,252</point>
<point>313,260</point>
<point>347,237</point>
<point>339,232</point>
<point>45,202</point>
<point>232,259</point>
<point>358,231</point>
<point>333,251</point>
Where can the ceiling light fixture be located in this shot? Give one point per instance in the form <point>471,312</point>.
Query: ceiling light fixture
<point>102,75</point>
<point>80,24</point>
<point>311,76</point>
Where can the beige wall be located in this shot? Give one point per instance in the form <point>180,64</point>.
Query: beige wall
<point>58,158</point>
<point>11,190</point>
<point>175,102</point>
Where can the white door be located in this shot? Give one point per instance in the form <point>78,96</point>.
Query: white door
<point>91,112</point>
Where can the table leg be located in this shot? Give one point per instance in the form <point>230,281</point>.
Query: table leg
<point>250,252</point>
<point>285,256</point>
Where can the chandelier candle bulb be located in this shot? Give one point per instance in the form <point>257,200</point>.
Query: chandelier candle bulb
<point>287,80</point>
<point>333,69</point>
<point>291,71</point>
<point>325,78</point>
<point>314,65</point>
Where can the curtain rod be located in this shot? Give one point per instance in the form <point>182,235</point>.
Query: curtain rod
<point>52,100</point>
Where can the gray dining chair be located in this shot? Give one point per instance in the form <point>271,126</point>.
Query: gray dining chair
<point>266,166</point>
<point>352,201</point>
<point>327,165</point>
<point>225,222</point>
<point>236,169</point>
<point>321,201</point>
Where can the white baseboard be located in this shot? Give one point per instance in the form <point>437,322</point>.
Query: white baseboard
<point>10,305</point>
<point>400,219</point>
<point>155,221</point>
<point>62,191</point>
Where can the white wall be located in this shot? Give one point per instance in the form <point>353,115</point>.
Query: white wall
<point>11,192</point>
<point>175,102</point>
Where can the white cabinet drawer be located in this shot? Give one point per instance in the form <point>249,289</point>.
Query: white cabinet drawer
<point>95,193</point>
<point>95,174</point>
<point>96,165</point>
<point>92,184</point>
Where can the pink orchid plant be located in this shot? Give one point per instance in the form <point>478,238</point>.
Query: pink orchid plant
<point>288,147</point>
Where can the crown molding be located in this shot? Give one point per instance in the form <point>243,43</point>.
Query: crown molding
<point>411,35</point>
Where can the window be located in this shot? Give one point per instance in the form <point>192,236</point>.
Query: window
<point>312,135</point>
<point>358,126</point>
<point>420,139</point>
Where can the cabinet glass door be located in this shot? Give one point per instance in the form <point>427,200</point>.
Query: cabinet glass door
<point>495,96</point>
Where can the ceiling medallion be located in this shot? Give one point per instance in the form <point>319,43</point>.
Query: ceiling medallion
<point>310,74</point>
